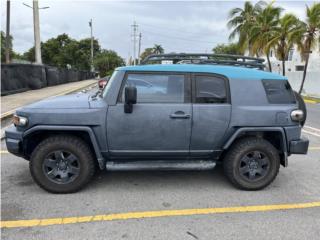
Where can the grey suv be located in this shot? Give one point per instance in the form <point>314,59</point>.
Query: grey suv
<point>192,114</point>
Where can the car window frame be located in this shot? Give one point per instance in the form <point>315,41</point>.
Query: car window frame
<point>187,85</point>
<point>194,90</point>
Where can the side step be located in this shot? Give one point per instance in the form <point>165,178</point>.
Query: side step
<point>160,165</point>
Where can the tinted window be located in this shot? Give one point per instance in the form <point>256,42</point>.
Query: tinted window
<point>157,88</point>
<point>210,89</point>
<point>278,91</point>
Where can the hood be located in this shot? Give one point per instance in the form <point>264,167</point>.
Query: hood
<point>68,101</point>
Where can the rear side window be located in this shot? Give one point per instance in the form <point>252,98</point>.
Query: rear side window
<point>278,91</point>
<point>210,89</point>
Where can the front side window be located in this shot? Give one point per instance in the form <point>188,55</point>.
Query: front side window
<point>210,89</point>
<point>157,88</point>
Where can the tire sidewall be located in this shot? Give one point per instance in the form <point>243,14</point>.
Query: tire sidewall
<point>272,171</point>
<point>238,150</point>
<point>42,151</point>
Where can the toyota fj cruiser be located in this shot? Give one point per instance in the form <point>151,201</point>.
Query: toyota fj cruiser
<point>192,114</point>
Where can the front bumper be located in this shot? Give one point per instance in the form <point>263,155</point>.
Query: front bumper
<point>14,141</point>
<point>299,146</point>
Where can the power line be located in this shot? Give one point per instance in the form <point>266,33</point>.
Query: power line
<point>165,28</point>
<point>179,38</point>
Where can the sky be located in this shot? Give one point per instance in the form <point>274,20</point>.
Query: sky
<point>179,26</point>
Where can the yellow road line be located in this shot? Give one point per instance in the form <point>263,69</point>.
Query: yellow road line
<point>310,101</point>
<point>4,151</point>
<point>153,214</point>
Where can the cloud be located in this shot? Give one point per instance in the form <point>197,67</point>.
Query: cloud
<point>179,26</point>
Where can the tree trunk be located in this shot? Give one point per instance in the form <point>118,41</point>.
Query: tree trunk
<point>283,67</point>
<point>304,73</point>
<point>269,63</point>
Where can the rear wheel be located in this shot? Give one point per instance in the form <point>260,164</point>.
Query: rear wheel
<point>62,164</point>
<point>251,163</point>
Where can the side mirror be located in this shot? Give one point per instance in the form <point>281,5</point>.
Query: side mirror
<point>130,98</point>
<point>102,83</point>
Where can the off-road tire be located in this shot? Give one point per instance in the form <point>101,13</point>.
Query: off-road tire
<point>68,143</point>
<point>302,107</point>
<point>238,150</point>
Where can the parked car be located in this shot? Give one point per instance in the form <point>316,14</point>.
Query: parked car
<point>163,117</point>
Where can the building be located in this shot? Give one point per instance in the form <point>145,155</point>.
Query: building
<point>294,70</point>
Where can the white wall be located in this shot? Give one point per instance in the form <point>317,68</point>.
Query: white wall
<point>311,85</point>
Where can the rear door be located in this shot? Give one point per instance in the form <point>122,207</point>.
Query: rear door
<point>211,106</point>
<point>160,123</point>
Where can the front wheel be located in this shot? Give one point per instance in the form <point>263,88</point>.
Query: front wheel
<point>251,163</point>
<point>62,164</point>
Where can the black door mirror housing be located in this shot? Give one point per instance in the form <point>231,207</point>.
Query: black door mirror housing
<point>130,98</point>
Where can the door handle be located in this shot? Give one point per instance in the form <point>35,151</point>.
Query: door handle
<point>180,114</point>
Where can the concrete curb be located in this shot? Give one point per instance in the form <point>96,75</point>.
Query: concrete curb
<point>75,89</point>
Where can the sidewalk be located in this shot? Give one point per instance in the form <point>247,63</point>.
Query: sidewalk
<point>11,102</point>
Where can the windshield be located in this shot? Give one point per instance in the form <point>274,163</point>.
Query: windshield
<point>106,88</point>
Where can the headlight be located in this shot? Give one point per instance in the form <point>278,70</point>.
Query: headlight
<point>19,121</point>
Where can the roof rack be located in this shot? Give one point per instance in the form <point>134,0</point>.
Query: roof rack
<point>204,58</point>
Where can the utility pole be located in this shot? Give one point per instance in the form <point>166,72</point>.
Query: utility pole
<point>36,26</point>
<point>92,67</point>
<point>135,28</point>
<point>8,33</point>
<point>139,48</point>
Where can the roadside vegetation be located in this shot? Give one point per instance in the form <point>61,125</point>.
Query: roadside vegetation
<point>156,49</point>
<point>256,30</point>
<point>66,52</point>
<point>263,27</point>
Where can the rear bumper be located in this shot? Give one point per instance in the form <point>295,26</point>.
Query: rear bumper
<point>14,141</point>
<point>299,146</point>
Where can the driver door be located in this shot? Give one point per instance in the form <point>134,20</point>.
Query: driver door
<point>160,123</point>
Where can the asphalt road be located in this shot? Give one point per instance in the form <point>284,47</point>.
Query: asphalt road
<point>125,192</point>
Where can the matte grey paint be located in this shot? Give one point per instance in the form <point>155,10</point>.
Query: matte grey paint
<point>150,132</point>
<point>63,102</point>
<point>209,125</point>
<point>72,128</point>
<point>257,129</point>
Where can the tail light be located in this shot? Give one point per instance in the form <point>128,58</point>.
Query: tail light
<point>297,115</point>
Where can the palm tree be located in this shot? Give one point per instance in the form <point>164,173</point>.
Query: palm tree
<point>312,28</point>
<point>261,31</point>
<point>158,49</point>
<point>241,21</point>
<point>284,36</point>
